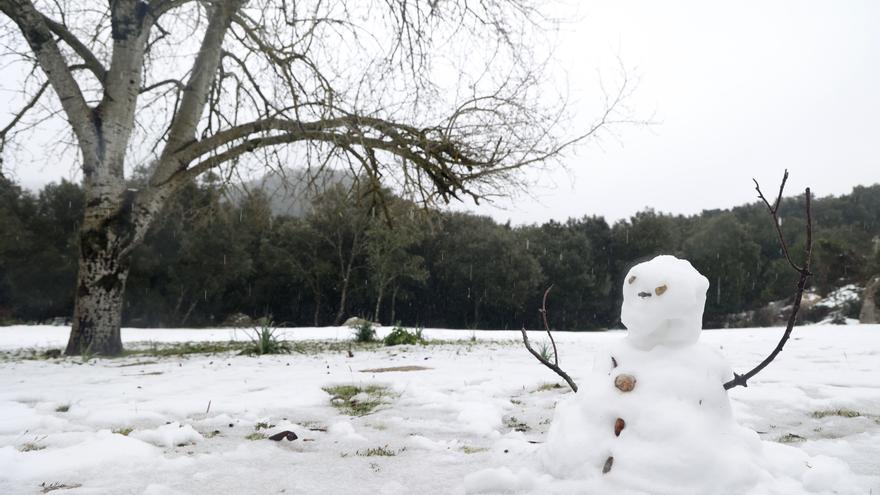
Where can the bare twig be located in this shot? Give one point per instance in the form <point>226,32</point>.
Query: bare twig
<point>555,364</point>
<point>803,271</point>
<point>33,101</point>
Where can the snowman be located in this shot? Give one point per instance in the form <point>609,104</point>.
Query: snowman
<point>653,416</point>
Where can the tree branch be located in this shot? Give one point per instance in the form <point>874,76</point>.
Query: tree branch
<point>804,275</point>
<point>90,61</point>
<point>39,37</point>
<point>195,93</point>
<point>555,364</point>
<point>21,114</point>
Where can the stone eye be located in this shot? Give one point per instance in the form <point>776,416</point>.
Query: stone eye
<point>631,280</point>
<point>644,294</point>
<point>660,290</point>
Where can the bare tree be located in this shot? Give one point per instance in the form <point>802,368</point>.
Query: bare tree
<point>440,100</point>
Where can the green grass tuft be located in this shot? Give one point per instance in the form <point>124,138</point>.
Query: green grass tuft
<point>473,450</point>
<point>846,413</point>
<point>383,451</point>
<point>791,438</point>
<point>344,397</point>
<point>264,341</point>
<point>548,386</point>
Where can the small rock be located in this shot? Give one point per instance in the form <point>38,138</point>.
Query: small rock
<point>624,382</point>
<point>286,434</point>
<point>619,425</point>
<point>608,463</point>
<point>660,290</point>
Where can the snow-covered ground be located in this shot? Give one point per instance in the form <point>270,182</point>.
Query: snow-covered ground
<point>143,424</point>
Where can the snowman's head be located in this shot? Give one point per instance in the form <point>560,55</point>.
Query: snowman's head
<point>663,302</point>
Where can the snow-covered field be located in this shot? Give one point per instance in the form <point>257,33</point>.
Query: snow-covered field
<point>188,424</point>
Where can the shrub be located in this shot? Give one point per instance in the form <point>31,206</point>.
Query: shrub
<point>364,332</point>
<point>264,341</point>
<point>400,335</point>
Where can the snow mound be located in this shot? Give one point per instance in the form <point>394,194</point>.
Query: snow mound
<point>105,449</point>
<point>344,430</point>
<point>168,436</point>
<point>842,296</point>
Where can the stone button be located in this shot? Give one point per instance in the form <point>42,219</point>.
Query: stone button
<point>624,382</point>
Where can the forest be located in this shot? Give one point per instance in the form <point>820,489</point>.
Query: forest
<point>211,260</point>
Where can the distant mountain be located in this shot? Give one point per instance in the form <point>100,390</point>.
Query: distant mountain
<point>290,190</point>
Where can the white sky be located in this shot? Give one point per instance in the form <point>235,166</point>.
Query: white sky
<point>739,90</point>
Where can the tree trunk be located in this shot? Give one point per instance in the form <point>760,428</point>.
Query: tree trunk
<point>317,311</point>
<point>342,300</point>
<point>189,311</point>
<point>103,269</point>
<point>378,304</point>
<point>394,302</point>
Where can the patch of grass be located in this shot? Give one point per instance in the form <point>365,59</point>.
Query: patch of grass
<point>255,436</point>
<point>467,449</point>
<point>63,408</point>
<point>263,425</point>
<point>546,350</point>
<point>56,485</point>
<point>791,438</point>
<point>264,341</point>
<point>155,350</point>
<point>395,368</point>
<point>515,424</point>
<point>383,451</point>
<point>87,354</point>
<point>52,353</point>
<point>137,363</point>
<point>401,336</point>
<point>31,446</point>
<point>356,400</point>
<point>183,348</point>
<point>548,386</point>
<point>123,431</point>
<point>846,413</point>
<point>364,332</point>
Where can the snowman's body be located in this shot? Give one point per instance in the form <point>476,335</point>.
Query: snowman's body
<point>676,423</point>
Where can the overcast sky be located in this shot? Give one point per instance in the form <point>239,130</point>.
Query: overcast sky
<point>737,89</point>
<point>740,89</point>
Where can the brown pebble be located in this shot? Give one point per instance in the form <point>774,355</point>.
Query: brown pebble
<point>660,290</point>
<point>632,279</point>
<point>624,382</point>
<point>608,463</point>
<point>619,425</point>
